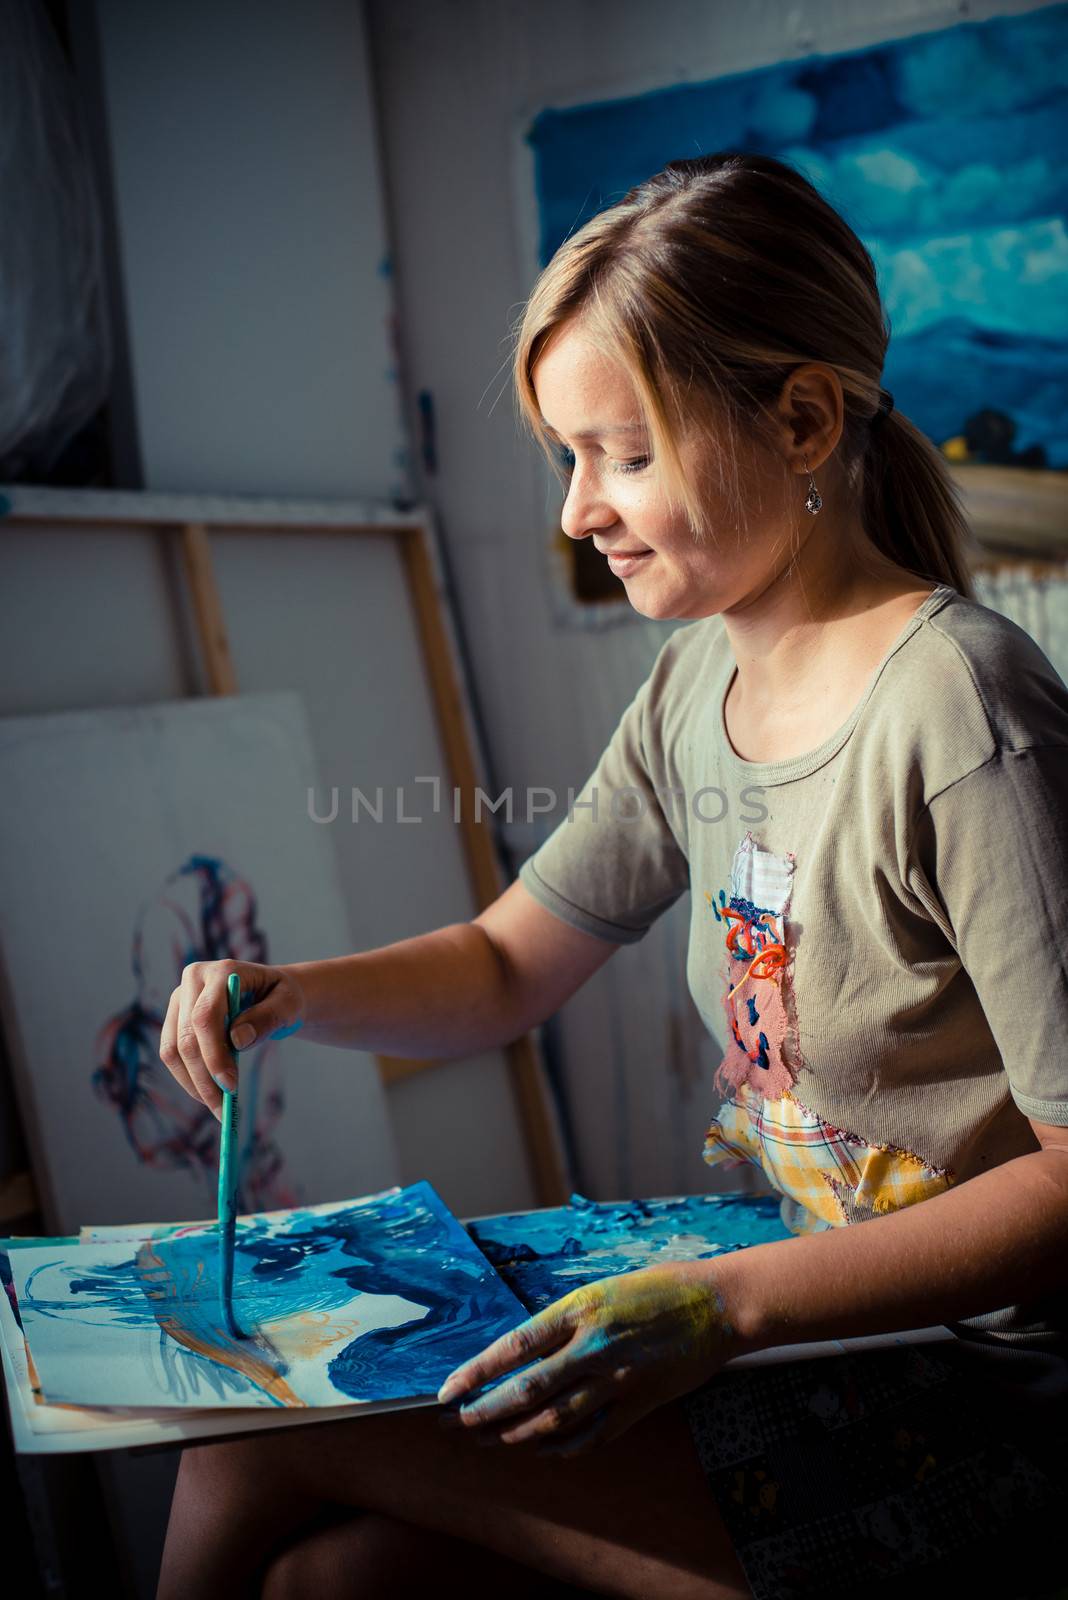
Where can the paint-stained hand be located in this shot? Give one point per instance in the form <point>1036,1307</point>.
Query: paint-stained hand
<point>193,1044</point>
<point>603,1357</point>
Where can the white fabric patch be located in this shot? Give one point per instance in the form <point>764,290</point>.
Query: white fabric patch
<point>760,877</point>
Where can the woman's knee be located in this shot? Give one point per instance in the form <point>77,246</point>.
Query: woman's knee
<point>217,1474</point>
<point>370,1555</point>
<point>294,1573</point>
<point>235,1501</point>
<point>362,1554</point>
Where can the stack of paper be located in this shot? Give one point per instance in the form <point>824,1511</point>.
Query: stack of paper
<point>366,1303</point>
<point>116,1339</point>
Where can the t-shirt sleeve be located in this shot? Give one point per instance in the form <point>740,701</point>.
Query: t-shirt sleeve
<point>614,864</point>
<point>989,861</point>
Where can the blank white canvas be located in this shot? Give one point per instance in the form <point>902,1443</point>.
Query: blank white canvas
<point>98,812</point>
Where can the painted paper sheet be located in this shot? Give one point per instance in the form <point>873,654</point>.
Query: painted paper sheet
<point>543,1255</point>
<point>375,1299</point>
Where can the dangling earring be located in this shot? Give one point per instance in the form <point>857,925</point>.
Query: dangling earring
<point>814,501</point>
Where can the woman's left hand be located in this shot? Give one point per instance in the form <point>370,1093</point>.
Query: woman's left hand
<point>610,1352</point>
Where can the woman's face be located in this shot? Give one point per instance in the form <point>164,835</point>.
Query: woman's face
<point>614,496</point>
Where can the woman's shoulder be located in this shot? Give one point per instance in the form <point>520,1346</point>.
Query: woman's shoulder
<point>982,653</point>
<point>969,684</point>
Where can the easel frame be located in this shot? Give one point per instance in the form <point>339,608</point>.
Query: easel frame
<point>1014,512</point>
<point>192,519</point>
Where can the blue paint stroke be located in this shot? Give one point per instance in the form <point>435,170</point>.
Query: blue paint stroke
<point>545,1254</point>
<point>7,1282</point>
<point>119,1291</point>
<point>283,1033</point>
<point>204,911</point>
<point>301,1269</point>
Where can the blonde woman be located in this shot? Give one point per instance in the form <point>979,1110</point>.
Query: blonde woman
<point>878,939</point>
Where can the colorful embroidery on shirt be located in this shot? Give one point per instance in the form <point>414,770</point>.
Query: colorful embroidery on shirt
<point>834,1177</point>
<point>837,1177</point>
<point>763,1049</point>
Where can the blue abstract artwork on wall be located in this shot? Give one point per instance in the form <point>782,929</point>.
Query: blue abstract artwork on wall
<point>543,1255</point>
<point>945,153</point>
<point>372,1300</point>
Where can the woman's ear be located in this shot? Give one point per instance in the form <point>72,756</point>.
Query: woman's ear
<point>811,413</point>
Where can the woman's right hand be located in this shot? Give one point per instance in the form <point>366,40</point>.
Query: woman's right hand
<point>193,1044</point>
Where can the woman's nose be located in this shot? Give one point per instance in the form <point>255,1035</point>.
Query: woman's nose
<point>585,509</point>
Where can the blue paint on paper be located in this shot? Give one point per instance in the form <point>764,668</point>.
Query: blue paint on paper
<point>7,1283</point>
<point>545,1254</point>
<point>298,1271</point>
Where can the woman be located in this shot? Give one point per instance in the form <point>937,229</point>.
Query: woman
<point>858,770</point>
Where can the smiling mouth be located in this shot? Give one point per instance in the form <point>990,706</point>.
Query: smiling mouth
<point>623,559</point>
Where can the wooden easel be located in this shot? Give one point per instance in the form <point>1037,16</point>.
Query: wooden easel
<point>192,519</point>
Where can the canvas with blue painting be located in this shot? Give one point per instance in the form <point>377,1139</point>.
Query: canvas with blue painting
<point>943,151</point>
<point>368,1301</point>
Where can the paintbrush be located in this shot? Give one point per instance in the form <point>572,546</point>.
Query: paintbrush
<point>228,1165</point>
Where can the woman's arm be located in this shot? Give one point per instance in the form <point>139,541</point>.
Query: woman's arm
<point>999,1238</point>
<point>453,992</point>
<point>594,1362</point>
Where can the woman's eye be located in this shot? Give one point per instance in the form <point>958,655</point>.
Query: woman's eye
<point>566,460</point>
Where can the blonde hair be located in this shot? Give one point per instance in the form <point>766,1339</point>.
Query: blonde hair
<point>709,283</point>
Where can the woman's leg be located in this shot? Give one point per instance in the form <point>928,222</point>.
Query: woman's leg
<point>632,1518</point>
<point>361,1553</point>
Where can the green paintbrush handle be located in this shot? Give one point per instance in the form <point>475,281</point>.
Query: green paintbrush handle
<point>228,1176</point>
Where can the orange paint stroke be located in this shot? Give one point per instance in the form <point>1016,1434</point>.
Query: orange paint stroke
<point>240,1357</point>
<point>294,1343</point>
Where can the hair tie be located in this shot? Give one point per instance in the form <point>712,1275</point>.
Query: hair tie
<point>886,405</point>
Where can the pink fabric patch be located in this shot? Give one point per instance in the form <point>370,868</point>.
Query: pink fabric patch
<point>758,1026</point>
<point>757,995</point>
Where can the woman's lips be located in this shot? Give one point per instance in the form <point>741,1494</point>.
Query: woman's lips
<point>623,566</point>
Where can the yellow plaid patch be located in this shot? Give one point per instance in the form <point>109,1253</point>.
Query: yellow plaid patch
<point>837,1177</point>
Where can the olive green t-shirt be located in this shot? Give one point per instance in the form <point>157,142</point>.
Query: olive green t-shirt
<point>879,928</point>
